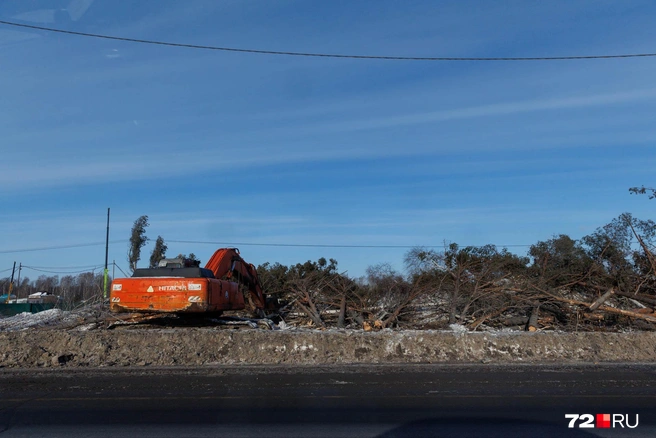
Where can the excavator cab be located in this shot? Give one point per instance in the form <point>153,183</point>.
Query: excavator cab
<point>178,263</point>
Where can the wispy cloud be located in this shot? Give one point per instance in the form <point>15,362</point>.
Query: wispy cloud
<point>112,54</point>
<point>139,167</point>
<point>495,110</point>
<point>41,16</point>
<point>77,8</point>
<point>105,168</point>
<point>11,36</point>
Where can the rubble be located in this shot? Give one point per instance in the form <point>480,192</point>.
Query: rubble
<point>215,346</point>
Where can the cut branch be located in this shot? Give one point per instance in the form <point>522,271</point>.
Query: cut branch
<point>648,253</point>
<point>474,325</point>
<point>594,306</point>
<point>638,297</point>
<point>341,321</point>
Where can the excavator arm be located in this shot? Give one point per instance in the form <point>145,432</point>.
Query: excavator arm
<point>227,263</point>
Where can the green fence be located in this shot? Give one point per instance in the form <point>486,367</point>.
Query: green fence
<point>12,309</point>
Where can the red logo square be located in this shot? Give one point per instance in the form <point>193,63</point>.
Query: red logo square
<point>603,421</point>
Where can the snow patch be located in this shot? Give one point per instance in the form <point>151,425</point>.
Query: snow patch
<point>87,327</point>
<point>26,320</point>
<point>304,347</point>
<point>457,328</point>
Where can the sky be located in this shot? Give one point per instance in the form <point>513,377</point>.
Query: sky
<point>239,149</point>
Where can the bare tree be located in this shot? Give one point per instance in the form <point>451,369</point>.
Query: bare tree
<point>307,292</point>
<point>340,292</point>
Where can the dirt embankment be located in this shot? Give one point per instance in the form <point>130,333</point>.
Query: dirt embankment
<point>203,346</point>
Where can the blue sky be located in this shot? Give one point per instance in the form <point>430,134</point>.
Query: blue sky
<point>244,148</point>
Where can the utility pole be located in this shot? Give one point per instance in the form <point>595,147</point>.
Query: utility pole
<point>106,257</point>
<point>20,266</point>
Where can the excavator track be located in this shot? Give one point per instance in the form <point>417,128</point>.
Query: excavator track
<point>172,320</point>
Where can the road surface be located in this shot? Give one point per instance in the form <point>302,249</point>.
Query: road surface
<point>332,401</point>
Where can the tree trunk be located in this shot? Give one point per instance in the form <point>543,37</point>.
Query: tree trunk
<point>341,321</point>
<point>316,318</point>
<point>532,325</point>
<point>453,307</point>
<point>313,309</point>
<point>557,311</point>
<point>390,318</point>
<point>357,317</point>
<point>515,320</point>
<point>593,316</point>
<point>642,325</point>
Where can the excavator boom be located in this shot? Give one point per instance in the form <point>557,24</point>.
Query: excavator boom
<point>226,262</point>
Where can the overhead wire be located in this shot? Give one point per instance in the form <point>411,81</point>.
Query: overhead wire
<point>119,268</point>
<point>269,244</point>
<point>48,248</point>
<point>63,272</point>
<point>313,245</point>
<point>62,267</point>
<point>327,55</point>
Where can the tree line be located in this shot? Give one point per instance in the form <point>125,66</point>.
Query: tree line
<point>74,290</point>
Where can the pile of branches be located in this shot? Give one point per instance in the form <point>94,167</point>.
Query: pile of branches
<point>605,281</point>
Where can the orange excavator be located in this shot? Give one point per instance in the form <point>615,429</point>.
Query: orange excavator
<point>182,286</point>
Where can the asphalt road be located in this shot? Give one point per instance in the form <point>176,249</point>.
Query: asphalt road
<point>336,401</point>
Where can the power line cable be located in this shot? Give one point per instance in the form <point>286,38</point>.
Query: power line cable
<point>63,272</point>
<point>47,248</point>
<point>327,55</point>
<point>63,267</point>
<point>309,245</point>
<point>119,268</point>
